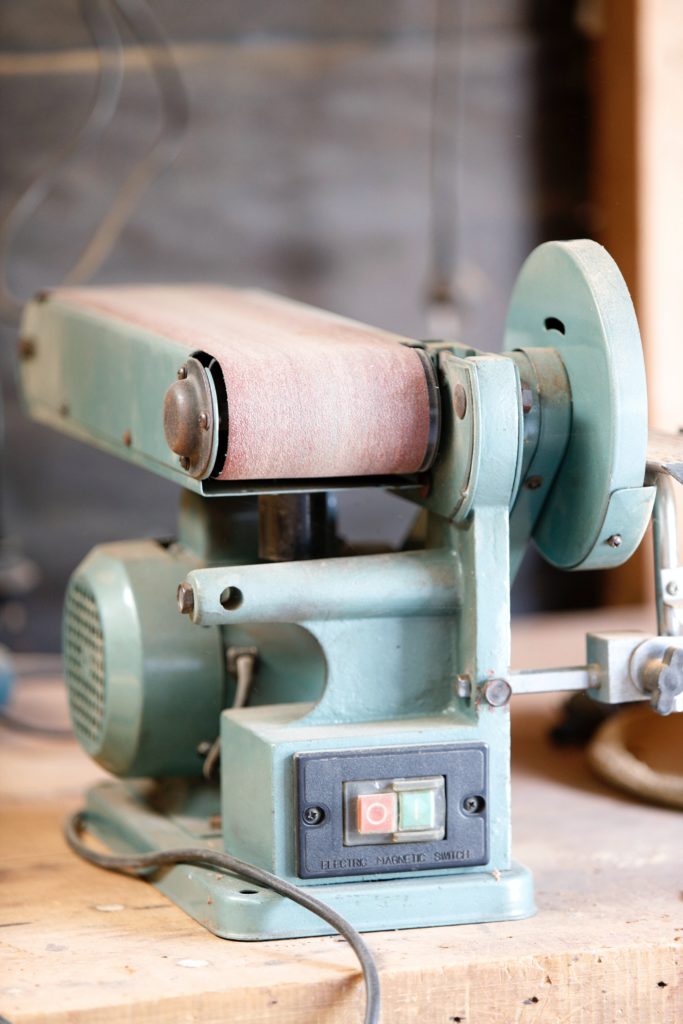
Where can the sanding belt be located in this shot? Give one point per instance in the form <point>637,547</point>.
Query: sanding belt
<point>310,394</point>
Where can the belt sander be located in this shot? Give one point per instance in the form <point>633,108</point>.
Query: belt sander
<point>342,719</point>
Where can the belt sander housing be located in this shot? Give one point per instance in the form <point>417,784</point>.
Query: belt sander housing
<point>341,719</point>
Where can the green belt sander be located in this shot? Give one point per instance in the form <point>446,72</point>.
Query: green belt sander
<point>341,718</point>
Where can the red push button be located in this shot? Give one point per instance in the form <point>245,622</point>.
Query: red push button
<point>375,812</point>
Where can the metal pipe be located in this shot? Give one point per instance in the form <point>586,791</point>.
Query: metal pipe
<point>665,540</point>
<point>552,680</point>
<point>366,586</point>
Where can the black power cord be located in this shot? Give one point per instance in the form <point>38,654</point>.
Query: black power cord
<point>76,825</point>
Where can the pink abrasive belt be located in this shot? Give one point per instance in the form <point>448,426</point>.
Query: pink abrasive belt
<point>310,394</point>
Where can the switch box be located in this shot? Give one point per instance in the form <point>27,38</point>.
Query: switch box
<point>394,810</point>
<point>391,809</point>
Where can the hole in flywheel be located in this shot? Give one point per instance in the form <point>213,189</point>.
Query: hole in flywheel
<point>551,323</point>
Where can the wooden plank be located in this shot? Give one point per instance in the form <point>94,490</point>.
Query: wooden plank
<point>639,163</point>
<point>80,945</point>
<point>616,185</point>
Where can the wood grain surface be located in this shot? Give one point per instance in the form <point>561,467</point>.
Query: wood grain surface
<point>79,945</point>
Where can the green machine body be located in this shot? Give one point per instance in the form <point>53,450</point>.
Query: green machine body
<point>341,717</point>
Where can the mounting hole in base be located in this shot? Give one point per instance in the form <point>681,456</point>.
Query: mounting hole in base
<point>231,598</point>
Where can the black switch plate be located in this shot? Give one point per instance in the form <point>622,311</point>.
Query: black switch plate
<point>320,776</point>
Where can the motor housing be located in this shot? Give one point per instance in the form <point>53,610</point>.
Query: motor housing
<point>145,686</point>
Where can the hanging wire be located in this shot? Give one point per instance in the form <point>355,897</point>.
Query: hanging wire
<point>103,31</point>
<point>446,154</point>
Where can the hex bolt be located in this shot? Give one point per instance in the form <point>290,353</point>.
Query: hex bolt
<point>182,373</point>
<point>497,692</point>
<point>615,540</point>
<point>185,598</point>
<point>672,588</point>
<point>313,815</point>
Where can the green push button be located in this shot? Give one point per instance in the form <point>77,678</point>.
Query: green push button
<point>416,810</point>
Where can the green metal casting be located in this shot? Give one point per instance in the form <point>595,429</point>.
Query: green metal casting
<point>545,442</point>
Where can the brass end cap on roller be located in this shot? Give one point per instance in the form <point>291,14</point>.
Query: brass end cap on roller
<point>189,420</point>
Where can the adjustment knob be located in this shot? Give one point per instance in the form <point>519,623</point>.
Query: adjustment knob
<point>664,678</point>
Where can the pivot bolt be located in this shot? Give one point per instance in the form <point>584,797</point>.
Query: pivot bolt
<point>313,815</point>
<point>497,692</point>
<point>182,373</point>
<point>185,598</point>
<point>615,540</point>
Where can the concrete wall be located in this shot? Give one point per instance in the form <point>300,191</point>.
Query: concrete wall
<point>306,171</point>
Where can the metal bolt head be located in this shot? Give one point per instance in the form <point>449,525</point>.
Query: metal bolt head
<point>527,398</point>
<point>185,598</point>
<point>615,540</point>
<point>497,692</point>
<point>460,401</point>
<point>127,438</point>
<point>313,815</point>
<point>203,421</point>
<point>532,483</point>
<point>182,373</point>
<point>184,462</point>
<point>672,588</point>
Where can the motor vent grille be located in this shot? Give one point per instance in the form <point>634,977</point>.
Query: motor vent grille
<point>84,665</point>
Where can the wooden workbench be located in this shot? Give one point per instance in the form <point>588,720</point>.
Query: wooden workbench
<point>81,945</point>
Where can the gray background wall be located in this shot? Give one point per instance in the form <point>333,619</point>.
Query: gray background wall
<point>306,171</point>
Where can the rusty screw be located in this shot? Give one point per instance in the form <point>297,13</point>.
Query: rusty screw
<point>185,598</point>
<point>184,462</point>
<point>127,438</point>
<point>527,398</point>
<point>533,483</point>
<point>26,348</point>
